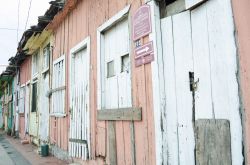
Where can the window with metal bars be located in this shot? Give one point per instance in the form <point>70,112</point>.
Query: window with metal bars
<point>58,88</point>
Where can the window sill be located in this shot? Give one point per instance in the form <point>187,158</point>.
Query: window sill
<point>59,115</point>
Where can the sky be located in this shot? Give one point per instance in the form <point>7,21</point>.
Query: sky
<point>9,24</point>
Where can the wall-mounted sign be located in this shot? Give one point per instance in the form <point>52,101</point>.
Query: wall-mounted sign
<point>144,60</point>
<point>144,54</point>
<point>142,22</point>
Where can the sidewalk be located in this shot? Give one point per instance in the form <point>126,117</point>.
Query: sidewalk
<point>29,152</point>
<point>5,159</point>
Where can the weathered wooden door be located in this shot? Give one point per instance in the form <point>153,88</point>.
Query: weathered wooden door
<point>44,110</point>
<point>79,141</point>
<point>33,126</point>
<point>199,42</point>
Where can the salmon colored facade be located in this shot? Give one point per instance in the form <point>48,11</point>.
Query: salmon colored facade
<point>242,23</point>
<point>25,71</point>
<point>85,53</point>
<point>25,75</point>
<point>71,27</point>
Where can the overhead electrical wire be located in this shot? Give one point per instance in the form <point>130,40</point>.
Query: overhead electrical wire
<point>15,29</point>
<point>28,15</point>
<point>18,19</point>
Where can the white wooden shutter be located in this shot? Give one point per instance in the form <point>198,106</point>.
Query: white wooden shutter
<point>21,100</point>
<point>58,87</point>
<point>117,74</point>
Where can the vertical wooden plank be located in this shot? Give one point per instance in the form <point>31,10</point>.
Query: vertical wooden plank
<point>112,143</point>
<point>101,8</point>
<point>170,115</point>
<point>127,143</point>
<point>120,142</point>
<point>150,115</point>
<point>201,55</point>
<point>183,65</point>
<point>77,118</point>
<point>223,68</point>
<point>139,99</point>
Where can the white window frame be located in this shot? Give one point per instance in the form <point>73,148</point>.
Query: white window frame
<point>35,80</point>
<point>100,49</point>
<point>46,57</point>
<point>63,85</point>
<point>22,90</point>
<point>35,65</point>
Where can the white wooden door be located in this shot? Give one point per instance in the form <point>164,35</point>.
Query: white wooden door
<point>79,142</point>
<point>200,41</point>
<point>44,110</point>
<point>117,75</point>
<point>33,126</point>
<point>27,108</point>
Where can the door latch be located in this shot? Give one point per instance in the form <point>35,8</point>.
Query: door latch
<point>71,112</point>
<point>192,82</point>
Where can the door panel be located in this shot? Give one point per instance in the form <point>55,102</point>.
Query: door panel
<point>117,86</point>
<point>44,110</point>
<point>79,142</point>
<point>34,108</point>
<point>179,57</point>
<point>201,41</point>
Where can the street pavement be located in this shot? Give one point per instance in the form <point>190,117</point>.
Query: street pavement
<point>12,152</point>
<point>9,155</point>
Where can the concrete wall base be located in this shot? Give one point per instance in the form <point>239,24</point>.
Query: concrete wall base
<point>60,154</point>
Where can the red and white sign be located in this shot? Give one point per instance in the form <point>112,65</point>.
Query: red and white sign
<point>144,54</point>
<point>142,22</point>
<point>144,50</point>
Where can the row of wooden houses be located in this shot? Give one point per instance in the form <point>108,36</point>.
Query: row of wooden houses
<point>133,82</point>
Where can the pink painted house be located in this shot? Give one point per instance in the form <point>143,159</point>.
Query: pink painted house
<point>24,98</point>
<point>118,108</point>
<point>145,82</point>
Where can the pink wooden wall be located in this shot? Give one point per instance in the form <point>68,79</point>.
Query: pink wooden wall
<point>25,71</point>
<point>81,22</point>
<point>242,21</point>
<point>25,74</point>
